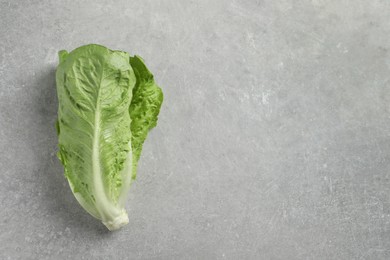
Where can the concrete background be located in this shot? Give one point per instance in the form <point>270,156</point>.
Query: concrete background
<point>273,141</point>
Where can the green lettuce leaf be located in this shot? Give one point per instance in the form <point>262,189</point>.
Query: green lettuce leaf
<point>107,104</point>
<point>144,108</point>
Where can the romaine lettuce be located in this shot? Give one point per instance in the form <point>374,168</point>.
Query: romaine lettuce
<point>108,102</point>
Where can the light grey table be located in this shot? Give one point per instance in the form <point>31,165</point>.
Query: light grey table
<point>273,141</point>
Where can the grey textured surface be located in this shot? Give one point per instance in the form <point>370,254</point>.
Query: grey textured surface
<point>273,141</point>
